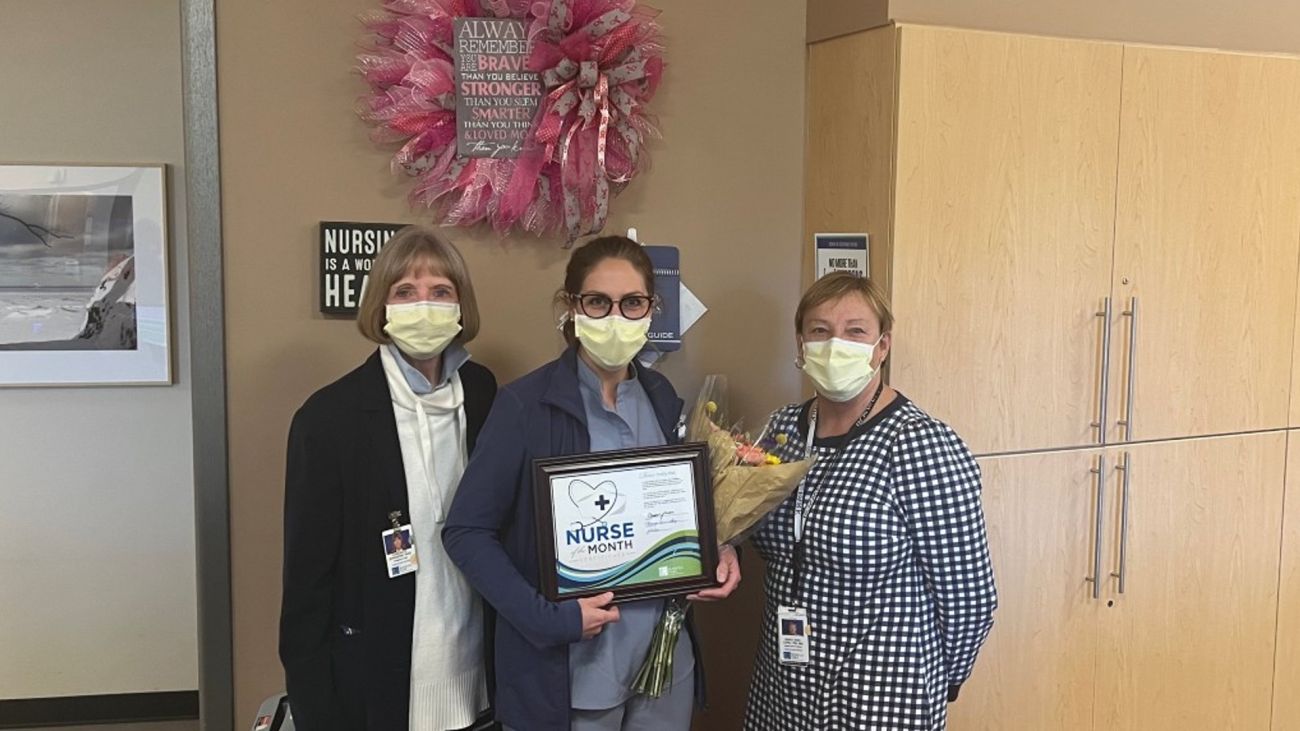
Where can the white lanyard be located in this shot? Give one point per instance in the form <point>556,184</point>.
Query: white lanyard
<point>799,504</point>
<point>804,507</point>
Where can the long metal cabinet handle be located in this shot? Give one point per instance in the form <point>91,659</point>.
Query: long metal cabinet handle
<point>1100,424</point>
<point>1123,466</point>
<point>1100,520</point>
<point>1132,314</point>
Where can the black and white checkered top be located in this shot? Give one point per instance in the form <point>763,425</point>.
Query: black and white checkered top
<point>896,577</point>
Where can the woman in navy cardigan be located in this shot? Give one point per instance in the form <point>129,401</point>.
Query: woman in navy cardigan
<point>569,665</point>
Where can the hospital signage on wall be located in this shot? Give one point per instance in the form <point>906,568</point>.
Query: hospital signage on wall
<point>346,252</point>
<point>842,253</point>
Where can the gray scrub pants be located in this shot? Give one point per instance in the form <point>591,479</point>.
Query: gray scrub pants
<point>670,712</point>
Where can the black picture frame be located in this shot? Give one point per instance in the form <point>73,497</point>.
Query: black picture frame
<point>545,471</point>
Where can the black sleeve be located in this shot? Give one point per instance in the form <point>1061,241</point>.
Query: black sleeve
<point>313,502</point>
<point>480,392</point>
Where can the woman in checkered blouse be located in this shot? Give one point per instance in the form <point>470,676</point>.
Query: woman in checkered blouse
<point>893,566</point>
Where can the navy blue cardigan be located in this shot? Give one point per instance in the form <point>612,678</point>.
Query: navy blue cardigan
<point>491,535</point>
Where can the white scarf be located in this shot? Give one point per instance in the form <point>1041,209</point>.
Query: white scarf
<point>448,686</point>
<point>445,403</point>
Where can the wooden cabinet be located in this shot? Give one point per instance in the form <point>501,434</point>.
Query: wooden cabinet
<point>1004,217</point>
<point>1014,186</point>
<point>1188,643</point>
<point>1037,670</point>
<point>1207,235</point>
<point>1286,677</point>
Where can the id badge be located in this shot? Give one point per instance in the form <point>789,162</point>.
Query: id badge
<point>792,631</point>
<point>399,551</point>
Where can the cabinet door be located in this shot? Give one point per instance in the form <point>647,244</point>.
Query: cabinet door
<point>1035,673</point>
<point>1189,644</point>
<point>1295,369</point>
<point>1286,678</point>
<point>1207,237</point>
<point>1004,222</point>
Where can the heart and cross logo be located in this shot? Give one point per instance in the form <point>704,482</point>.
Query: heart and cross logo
<point>593,502</point>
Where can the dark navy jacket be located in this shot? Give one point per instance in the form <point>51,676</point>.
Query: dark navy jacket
<point>491,535</point>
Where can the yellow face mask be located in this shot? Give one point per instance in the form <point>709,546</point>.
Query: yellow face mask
<point>611,341</point>
<point>840,369</point>
<point>422,330</point>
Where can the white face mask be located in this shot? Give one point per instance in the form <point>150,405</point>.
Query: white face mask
<point>612,341</point>
<point>422,330</point>
<point>840,369</point>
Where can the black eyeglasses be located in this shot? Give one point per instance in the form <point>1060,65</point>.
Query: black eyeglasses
<point>597,305</point>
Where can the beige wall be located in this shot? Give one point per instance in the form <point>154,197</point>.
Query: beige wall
<point>830,18</point>
<point>1248,25</point>
<point>110,606</point>
<point>725,187</point>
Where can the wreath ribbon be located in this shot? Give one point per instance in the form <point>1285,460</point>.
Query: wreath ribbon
<point>599,63</point>
<point>590,93</point>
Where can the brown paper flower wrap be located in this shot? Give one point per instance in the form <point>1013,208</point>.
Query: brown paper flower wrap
<point>749,481</point>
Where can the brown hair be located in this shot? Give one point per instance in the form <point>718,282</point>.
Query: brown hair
<point>409,249</point>
<point>588,256</point>
<point>838,285</point>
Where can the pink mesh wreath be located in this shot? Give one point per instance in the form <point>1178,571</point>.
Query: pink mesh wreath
<point>600,63</point>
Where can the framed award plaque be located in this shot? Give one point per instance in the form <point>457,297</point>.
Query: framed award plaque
<point>636,522</point>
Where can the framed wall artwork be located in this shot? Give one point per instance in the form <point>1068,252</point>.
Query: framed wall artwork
<point>84,275</point>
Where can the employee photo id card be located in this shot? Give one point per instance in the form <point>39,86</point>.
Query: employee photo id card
<point>399,551</point>
<point>792,635</point>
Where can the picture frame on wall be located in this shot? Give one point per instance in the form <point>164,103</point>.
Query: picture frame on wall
<point>84,295</point>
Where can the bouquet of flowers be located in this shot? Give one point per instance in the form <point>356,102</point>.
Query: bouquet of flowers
<point>749,481</point>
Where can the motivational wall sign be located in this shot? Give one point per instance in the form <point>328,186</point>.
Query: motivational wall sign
<point>496,95</point>
<point>346,252</point>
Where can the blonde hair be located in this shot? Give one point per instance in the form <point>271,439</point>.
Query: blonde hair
<point>408,250</point>
<point>838,285</point>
